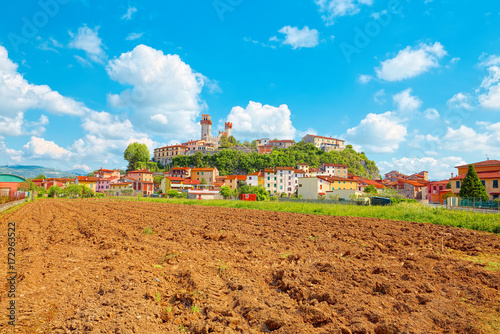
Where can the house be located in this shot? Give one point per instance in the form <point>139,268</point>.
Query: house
<point>304,167</point>
<point>231,181</point>
<point>313,187</point>
<point>164,155</point>
<point>270,180</point>
<point>89,182</point>
<point>194,146</point>
<point>107,173</point>
<point>338,170</point>
<point>285,182</point>
<point>102,184</point>
<point>9,184</point>
<point>315,172</point>
<point>436,190</point>
<point>265,149</point>
<point>363,183</point>
<point>255,179</point>
<point>207,174</point>
<point>142,181</point>
<point>411,189</point>
<point>282,143</point>
<point>171,182</point>
<point>326,144</point>
<point>264,141</point>
<point>184,172</point>
<point>119,186</point>
<point>54,183</point>
<point>488,172</point>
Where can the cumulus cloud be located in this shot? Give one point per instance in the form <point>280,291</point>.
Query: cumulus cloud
<point>431,114</point>
<point>39,148</point>
<point>439,169</point>
<point>300,38</point>
<point>83,167</point>
<point>364,78</point>
<point>460,101</point>
<point>406,102</point>
<point>258,120</point>
<point>379,97</point>
<point>490,98</point>
<point>163,88</point>
<point>13,155</point>
<point>89,41</point>
<point>466,139</point>
<point>411,62</point>
<point>332,9</point>
<point>378,133</point>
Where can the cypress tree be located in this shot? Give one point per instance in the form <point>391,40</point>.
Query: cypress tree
<point>472,186</point>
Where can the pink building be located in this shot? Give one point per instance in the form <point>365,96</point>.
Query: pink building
<point>102,184</point>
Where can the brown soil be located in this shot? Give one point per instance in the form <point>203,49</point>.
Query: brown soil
<point>88,266</point>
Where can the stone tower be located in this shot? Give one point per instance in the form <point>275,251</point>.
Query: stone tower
<point>206,127</point>
<point>228,128</point>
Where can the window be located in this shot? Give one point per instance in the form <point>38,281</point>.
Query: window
<point>281,187</point>
<point>268,178</point>
<point>495,196</point>
<point>268,185</point>
<point>457,184</point>
<point>484,183</point>
<point>495,184</point>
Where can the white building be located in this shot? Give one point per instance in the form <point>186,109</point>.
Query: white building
<point>270,181</point>
<point>326,144</point>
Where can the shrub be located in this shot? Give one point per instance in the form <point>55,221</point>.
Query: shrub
<point>127,192</point>
<point>173,193</point>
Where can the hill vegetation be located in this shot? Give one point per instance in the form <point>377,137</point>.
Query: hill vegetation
<point>231,161</point>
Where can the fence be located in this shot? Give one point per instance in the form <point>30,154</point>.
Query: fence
<point>12,198</point>
<point>477,203</point>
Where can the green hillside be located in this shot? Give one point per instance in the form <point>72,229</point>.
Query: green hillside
<point>33,171</point>
<point>234,162</point>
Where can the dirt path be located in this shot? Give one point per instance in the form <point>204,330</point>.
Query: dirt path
<point>88,266</point>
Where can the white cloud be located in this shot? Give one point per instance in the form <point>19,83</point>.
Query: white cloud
<point>378,133</point>
<point>39,148</point>
<point>363,78</point>
<point>13,155</point>
<point>460,101</point>
<point>488,61</point>
<point>82,167</point>
<point>161,85</point>
<point>490,99</point>
<point>89,41</point>
<point>300,38</point>
<point>466,139</point>
<point>431,114</point>
<point>332,9</point>
<point>439,169</point>
<point>411,62</point>
<point>258,120</point>
<point>130,12</point>
<point>133,36</point>
<point>405,102</point>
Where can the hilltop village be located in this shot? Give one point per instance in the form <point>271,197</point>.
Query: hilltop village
<point>328,180</point>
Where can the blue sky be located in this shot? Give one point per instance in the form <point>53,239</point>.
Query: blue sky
<point>415,84</point>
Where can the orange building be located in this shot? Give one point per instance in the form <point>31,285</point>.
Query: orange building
<point>488,172</point>
<point>164,155</point>
<point>207,174</point>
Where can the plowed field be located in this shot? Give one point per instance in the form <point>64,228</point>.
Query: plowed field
<point>103,266</point>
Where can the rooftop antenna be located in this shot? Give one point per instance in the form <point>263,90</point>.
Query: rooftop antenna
<point>487,158</point>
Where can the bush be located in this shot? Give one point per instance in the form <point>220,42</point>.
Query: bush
<point>109,192</point>
<point>127,192</point>
<point>173,193</point>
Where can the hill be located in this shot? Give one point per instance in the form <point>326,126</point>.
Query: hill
<point>234,162</point>
<point>33,171</point>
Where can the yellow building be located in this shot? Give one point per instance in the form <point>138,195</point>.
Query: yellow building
<point>142,175</point>
<point>313,187</point>
<point>89,182</point>
<point>488,172</point>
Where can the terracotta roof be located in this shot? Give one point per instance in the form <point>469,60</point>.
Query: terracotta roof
<point>413,183</point>
<point>194,142</point>
<point>484,175</point>
<point>103,180</point>
<point>170,146</point>
<point>282,141</point>
<point>107,170</point>
<point>266,146</point>
<point>334,178</point>
<point>172,178</point>
<point>121,184</point>
<point>373,183</point>
<point>483,163</point>
<point>269,171</point>
<point>314,170</point>
<point>87,179</point>
<point>439,183</point>
<point>285,168</point>
<point>218,184</point>
<point>203,169</point>
<point>299,171</point>
<point>180,168</point>
<point>230,177</point>
<point>241,177</point>
<point>140,171</point>
<point>256,173</point>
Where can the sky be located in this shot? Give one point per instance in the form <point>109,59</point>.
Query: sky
<point>415,84</point>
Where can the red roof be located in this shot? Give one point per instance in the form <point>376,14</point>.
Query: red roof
<point>180,168</point>
<point>87,179</point>
<point>241,177</point>
<point>373,183</point>
<point>325,137</point>
<point>204,169</point>
<point>439,183</point>
<point>140,171</point>
<point>218,184</point>
<point>256,173</point>
<point>121,184</point>
<point>230,177</point>
<point>172,178</point>
<point>106,170</point>
<point>171,146</point>
<point>483,163</point>
<point>411,182</point>
<point>484,175</point>
<point>269,171</point>
<point>334,178</point>
<point>282,141</point>
<point>103,180</point>
<point>285,168</point>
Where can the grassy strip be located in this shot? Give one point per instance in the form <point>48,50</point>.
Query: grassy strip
<point>404,211</point>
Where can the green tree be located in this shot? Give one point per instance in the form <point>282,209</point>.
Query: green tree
<point>86,191</point>
<point>472,186</point>
<point>173,193</point>
<point>136,153</point>
<point>26,186</point>
<point>226,192</point>
<point>203,181</point>
<point>158,178</point>
<point>41,177</point>
<point>73,190</point>
<point>370,189</point>
<point>197,159</point>
<point>91,174</point>
<point>448,185</point>
<point>232,140</point>
<point>54,190</point>
<point>40,191</point>
<point>224,141</point>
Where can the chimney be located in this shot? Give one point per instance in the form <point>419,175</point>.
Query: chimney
<point>451,175</point>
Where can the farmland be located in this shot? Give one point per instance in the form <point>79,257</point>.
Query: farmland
<point>142,267</point>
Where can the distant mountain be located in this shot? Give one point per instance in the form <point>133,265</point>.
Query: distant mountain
<point>34,171</point>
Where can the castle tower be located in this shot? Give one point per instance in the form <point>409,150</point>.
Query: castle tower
<point>206,127</point>
<point>228,128</point>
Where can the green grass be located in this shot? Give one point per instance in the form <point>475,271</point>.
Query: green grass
<point>412,212</point>
<point>148,231</point>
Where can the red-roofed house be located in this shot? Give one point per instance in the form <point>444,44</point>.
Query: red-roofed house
<point>184,172</point>
<point>488,172</point>
<point>107,173</point>
<point>142,181</point>
<point>411,189</point>
<point>265,149</point>
<point>338,170</point>
<point>89,182</point>
<point>282,143</point>
<point>103,184</point>
<point>255,179</point>
<point>363,183</point>
<point>326,144</point>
